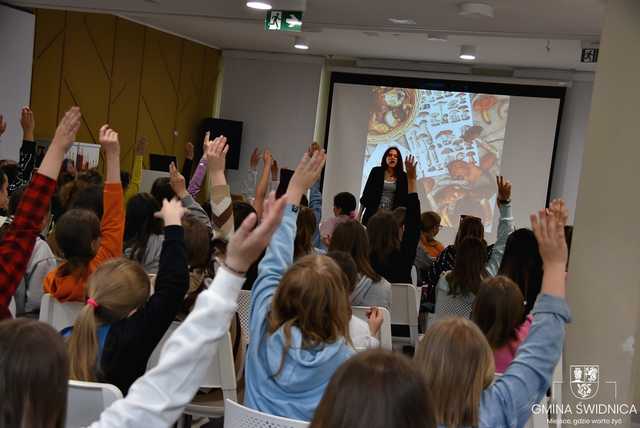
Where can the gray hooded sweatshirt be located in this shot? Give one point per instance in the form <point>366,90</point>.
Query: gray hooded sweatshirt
<point>370,293</point>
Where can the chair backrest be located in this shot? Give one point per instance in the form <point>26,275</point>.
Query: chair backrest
<point>239,416</point>
<point>12,307</point>
<point>221,372</point>
<point>414,275</point>
<point>244,308</point>
<point>87,400</point>
<point>59,315</point>
<point>405,300</point>
<point>385,330</point>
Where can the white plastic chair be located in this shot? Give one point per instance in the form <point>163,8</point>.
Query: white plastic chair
<point>244,311</point>
<point>87,400</point>
<point>221,374</point>
<point>59,315</point>
<point>238,416</point>
<point>385,329</point>
<point>405,302</point>
<point>12,307</point>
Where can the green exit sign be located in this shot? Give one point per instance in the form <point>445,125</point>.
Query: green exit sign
<point>283,20</point>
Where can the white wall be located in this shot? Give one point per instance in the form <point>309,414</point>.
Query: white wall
<point>568,162</point>
<point>16,39</point>
<point>276,97</point>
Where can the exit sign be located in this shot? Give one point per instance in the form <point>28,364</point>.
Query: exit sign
<point>283,20</point>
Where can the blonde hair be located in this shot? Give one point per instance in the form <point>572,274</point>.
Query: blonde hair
<point>311,297</point>
<point>458,363</point>
<point>118,286</point>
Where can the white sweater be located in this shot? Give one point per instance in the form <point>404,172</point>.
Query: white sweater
<point>158,398</point>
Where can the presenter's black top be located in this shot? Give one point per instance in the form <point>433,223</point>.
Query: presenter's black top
<point>372,193</point>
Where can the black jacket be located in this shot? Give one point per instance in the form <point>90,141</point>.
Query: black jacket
<point>396,268</point>
<point>372,193</point>
<point>131,341</point>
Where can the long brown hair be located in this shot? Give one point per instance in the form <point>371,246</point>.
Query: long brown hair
<point>119,287</point>
<point>34,374</point>
<point>311,297</point>
<point>384,235</point>
<point>351,237</point>
<point>75,233</point>
<point>470,267</point>
<point>305,228</point>
<point>376,389</point>
<point>469,227</point>
<point>458,364</point>
<point>498,310</point>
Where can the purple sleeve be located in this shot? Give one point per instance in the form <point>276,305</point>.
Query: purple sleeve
<point>198,177</point>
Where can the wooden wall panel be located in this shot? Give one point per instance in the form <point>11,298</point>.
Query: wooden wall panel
<point>47,70</point>
<point>86,76</point>
<point>141,81</point>
<point>125,86</point>
<point>159,94</point>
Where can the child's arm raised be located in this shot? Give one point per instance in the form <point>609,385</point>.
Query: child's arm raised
<point>505,226</point>
<point>112,224</point>
<point>159,397</point>
<point>529,375</point>
<point>220,194</point>
<point>17,244</point>
<point>279,255</point>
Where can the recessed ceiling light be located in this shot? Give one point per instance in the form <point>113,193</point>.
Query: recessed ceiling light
<point>301,43</point>
<point>468,52</point>
<point>475,10</point>
<point>260,5</point>
<point>402,21</point>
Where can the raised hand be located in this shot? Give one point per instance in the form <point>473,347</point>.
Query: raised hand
<point>216,152</point>
<point>67,128</point>
<point>189,151</point>
<point>374,319</point>
<point>255,158</point>
<point>177,182</point>
<point>307,173</point>
<point>28,123</point>
<point>267,158</point>
<point>3,125</point>
<point>274,170</point>
<point>63,139</point>
<point>314,147</point>
<point>247,243</point>
<point>141,146</point>
<point>559,211</point>
<point>504,189</point>
<point>171,212</point>
<point>109,140</point>
<point>553,250</point>
<point>410,164</point>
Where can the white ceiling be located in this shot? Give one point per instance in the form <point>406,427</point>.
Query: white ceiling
<point>523,33</point>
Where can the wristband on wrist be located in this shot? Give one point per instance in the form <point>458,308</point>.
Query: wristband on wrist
<point>232,270</point>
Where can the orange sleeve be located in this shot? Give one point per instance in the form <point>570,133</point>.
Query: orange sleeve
<point>112,226</point>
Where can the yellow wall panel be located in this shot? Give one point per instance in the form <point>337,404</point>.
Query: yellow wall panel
<point>125,86</point>
<point>141,81</point>
<point>47,68</point>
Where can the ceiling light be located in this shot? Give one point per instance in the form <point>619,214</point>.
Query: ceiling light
<point>468,52</point>
<point>301,43</point>
<point>402,21</point>
<point>260,5</point>
<point>475,10</point>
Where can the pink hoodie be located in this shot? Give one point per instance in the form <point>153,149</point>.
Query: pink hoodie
<point>503,356</point>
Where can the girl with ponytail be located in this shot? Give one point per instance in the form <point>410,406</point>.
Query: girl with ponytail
<point>120,325</point>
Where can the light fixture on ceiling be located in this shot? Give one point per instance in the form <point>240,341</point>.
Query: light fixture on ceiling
<point>468,52</point>
<point>259,4</point>
<point>402,21</point>
<point>475,10</point>
<point>301,43</point>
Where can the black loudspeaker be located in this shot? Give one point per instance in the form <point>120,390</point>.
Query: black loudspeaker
<point>231,129</point>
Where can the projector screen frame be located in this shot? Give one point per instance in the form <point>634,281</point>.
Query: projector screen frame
<point>484,87</point>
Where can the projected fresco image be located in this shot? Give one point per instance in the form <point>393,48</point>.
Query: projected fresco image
<point>457,139</point>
